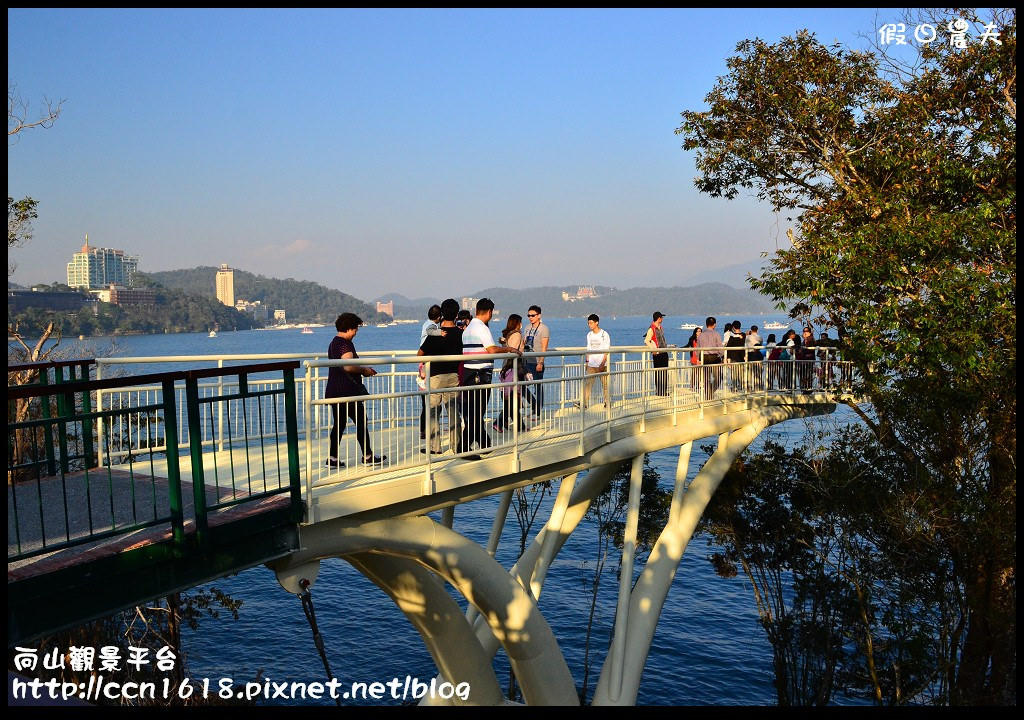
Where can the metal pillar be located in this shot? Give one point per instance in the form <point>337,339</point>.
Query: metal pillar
<point>654,582</point>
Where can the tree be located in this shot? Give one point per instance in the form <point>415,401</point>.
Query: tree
<point>900,183</point>
<point>856,598</point>
<point>20,214</point>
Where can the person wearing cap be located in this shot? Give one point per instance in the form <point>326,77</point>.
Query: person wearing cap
<point>655,338</point>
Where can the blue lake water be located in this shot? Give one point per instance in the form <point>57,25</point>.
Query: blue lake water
<point>708,648</point>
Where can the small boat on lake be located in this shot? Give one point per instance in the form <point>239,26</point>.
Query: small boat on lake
<point>307,331</point>
<point>775,326</point>
<point>213,333</point>
<point>688,326</point>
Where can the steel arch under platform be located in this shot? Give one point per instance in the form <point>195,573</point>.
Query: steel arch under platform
<point>404,552</point>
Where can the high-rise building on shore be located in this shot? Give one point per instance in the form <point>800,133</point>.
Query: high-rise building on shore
<point>226,285</point>
<point>93,268</point>
<point>386,307</point>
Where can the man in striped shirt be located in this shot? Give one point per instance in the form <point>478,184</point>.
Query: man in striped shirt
<point>477,340</point>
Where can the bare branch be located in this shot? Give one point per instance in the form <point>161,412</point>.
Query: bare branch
<point>18,113</point>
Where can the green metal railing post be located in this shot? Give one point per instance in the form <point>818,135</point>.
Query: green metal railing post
<point>195,444</point>
<point>87,446</point>
<point>174,496</point>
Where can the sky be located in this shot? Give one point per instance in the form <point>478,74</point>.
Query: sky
<point>424,152</point>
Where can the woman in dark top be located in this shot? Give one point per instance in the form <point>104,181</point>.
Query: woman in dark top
<point>790,344</point>
<point>347,381</point>
<point>805,359</point>
<point>694,357</point>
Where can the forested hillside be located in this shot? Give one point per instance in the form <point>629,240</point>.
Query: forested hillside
<point>174,311</point>
<point>302,300</point>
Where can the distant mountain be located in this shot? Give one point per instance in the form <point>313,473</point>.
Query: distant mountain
<point>403,300</point>
<point>732,275</point>
<point>302,300</point>
<point>707,298</point>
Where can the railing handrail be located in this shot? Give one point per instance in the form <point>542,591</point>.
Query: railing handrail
<point>40,364</point>
<point>78,386</point>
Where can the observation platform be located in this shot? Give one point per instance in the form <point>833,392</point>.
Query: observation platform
<point>125,489</point>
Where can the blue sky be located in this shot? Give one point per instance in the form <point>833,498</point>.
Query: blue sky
<point>424,152</point>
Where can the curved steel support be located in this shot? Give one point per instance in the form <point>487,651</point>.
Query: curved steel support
<point>507,608</point>
<point>616,653</point>
<point>449,639</point>
<point>554,523</point>
<point>524,571</point>
<point>654,582</point>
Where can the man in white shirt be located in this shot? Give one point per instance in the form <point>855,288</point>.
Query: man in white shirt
<point>597,362</point>
<point>477,340</point>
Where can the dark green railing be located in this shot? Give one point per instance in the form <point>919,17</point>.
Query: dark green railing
<point>243,468</point>
<point>58,495</point>
<point>43,374</point>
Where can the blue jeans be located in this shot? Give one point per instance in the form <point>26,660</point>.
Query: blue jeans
<point>536,398</point>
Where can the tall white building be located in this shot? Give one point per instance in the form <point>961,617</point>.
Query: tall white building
<point>226,285</point>
<point>93,268</point>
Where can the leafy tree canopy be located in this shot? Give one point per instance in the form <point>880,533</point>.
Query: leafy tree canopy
<point>899,179</point>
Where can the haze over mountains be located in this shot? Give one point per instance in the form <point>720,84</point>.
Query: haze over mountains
<point>722,291</point>
<point>704,299</point>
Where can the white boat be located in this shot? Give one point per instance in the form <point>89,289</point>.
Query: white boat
<point>384,324</point>
<point>775,326</point>
<point>307,331</point>
<point>213,333</point>
<point>688,326</point>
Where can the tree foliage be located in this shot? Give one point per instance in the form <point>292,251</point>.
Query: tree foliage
<point>174,311</point>
<point>857,596</point>
<point>900,183</point>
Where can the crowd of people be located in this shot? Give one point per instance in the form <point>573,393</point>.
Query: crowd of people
<point>795,362</point>
<point>460,385</point>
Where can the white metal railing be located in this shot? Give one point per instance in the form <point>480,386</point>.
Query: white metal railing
<point>394,406</point>
<point>392,413</point>
<point>119,440</point>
